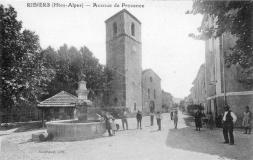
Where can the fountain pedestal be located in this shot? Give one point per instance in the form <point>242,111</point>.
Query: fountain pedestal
<point>86,127</point>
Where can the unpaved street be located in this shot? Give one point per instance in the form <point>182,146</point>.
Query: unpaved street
<point>147,144</point>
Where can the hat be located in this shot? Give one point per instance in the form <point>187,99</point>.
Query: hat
<point>226,106</point>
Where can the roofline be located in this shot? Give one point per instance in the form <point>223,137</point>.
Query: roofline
<point>122,11</point>
<point>56,105</point>
<point>149,69</point>
<point>56,95</point>
<point>200,69</point>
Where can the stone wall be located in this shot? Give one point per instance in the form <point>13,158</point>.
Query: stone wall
<point>237,104</point>
<point>152,82</point>
<point>199,87</point>
<point>167,100</point>
<point>123,56</point>
<point>238,95</point>
<point>133,73</point>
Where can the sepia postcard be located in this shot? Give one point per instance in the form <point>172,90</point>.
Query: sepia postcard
<point>126,79</point>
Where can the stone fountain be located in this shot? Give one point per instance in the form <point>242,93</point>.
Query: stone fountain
<point>87,126</point>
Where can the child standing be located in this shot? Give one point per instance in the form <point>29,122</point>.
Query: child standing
<point>246,123</point>
<point>113,126</point>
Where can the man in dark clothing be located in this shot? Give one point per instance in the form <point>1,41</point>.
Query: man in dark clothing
<point>139,118</point>
<point>198,119</point>
<point>171,115</point>
<point>107,117</point>
<point>229,118</point>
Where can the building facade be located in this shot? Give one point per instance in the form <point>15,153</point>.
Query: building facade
<point>124,58</point>
<point>167,101</point>
<point>151,91</point>
<point>198,91</point>
<point>225,84</point>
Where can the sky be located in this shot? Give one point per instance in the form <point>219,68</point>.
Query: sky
<point>166,47</point>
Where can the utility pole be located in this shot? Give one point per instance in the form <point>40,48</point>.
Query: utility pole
<point>223,66</point>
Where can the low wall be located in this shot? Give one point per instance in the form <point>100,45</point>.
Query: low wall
<point>237,104</point>
<point>69,130</point>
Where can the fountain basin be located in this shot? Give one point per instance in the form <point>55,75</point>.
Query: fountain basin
<point>72,130</point>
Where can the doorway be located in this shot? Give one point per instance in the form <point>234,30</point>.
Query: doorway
<point>152,106</point>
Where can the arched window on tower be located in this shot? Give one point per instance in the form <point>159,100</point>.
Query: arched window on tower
<point>115,29</point>
<point>132,29</point>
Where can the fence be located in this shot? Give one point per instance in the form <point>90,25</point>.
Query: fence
<point>20,116</point>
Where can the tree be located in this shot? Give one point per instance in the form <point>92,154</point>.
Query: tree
<point>23,72</point>
<point>69,64</point>
<point>233,17</point>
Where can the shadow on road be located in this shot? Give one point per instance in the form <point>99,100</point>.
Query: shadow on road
<point>22,126</point>
<point>29,127</point>
<point>209,142</point>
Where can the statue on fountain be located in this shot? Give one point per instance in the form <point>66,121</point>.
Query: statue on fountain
<point>85,109</point>
<point>82,100</point>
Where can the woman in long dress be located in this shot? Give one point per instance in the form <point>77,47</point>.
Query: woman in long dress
<point>108,118</point>
<point>198,120</point>
<point>246,122</point>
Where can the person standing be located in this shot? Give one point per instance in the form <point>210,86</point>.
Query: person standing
<point>159,119</point>
<point>246,122</point>
<point>198,119</point>
<point>113,126</point>
<point>139,118</point>
<point>175,118</point>
<point>152,118</point>
<point>229,118</point>
<point>124,120</point>
<point>210,120</point>
<point>171,115</point>
<point>107,123</point>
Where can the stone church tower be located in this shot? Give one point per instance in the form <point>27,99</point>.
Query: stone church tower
<point>124,58</point>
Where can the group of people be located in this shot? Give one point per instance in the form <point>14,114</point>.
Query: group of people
<point>228,120</point>
<point>158,116</point>
<point>112,126</point>
<point>152,115</point>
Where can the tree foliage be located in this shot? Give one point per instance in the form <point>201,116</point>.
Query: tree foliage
<point>69,64</point>
<point>23,74</point>
<point>235,17</point>
<point>30,74</point>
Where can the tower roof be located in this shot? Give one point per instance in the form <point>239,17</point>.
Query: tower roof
<point>123,11</point>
